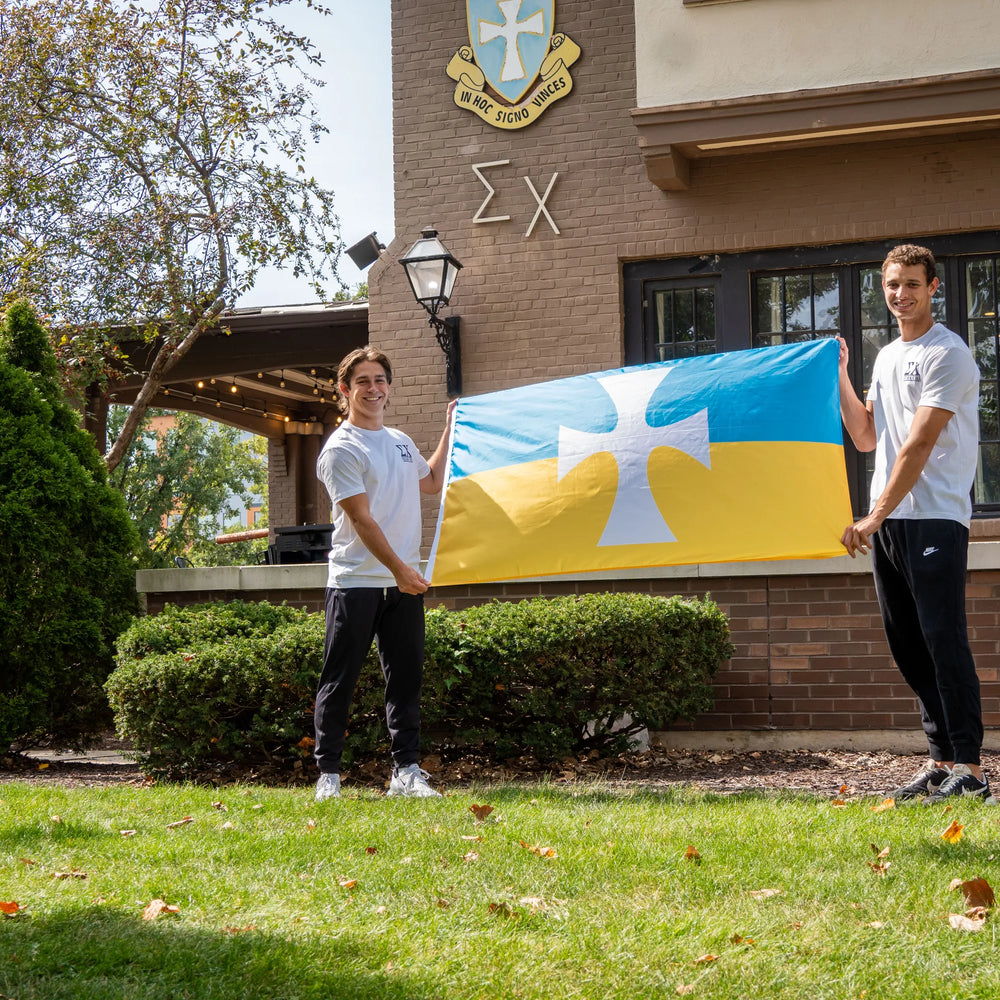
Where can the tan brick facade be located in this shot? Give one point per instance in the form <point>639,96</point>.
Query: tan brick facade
<point>548,306</point>
<point>811,651</point>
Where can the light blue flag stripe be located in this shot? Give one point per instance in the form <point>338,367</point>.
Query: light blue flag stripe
<point>784,393</point>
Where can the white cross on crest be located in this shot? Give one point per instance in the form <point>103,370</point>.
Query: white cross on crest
<point>635,518</point>
<point>510,31</point>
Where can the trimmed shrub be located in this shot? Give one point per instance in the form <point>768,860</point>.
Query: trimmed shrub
<point>555,676</point>
<point>217,683</point>
<point>235,682</point>
<point>67,575</point>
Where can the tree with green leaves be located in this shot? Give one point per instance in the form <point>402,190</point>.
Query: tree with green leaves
<point>184,480</point>
<point>152,162</point>
<point>67,552</point>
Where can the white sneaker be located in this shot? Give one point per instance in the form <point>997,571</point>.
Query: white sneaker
<point>412,782</point>
<point>328,787</point>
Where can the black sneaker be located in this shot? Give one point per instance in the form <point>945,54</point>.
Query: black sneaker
<point>925,782</point>
<point>961,783</point>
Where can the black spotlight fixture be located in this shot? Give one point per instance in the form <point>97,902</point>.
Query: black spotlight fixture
<point>366,251</point>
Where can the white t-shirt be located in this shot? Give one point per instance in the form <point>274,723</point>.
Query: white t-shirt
<point>385,465</point>
<point>937,370</point>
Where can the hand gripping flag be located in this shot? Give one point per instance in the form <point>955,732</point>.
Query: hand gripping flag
<point>724,458</point>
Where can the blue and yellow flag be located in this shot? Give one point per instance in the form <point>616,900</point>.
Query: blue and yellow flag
<point>724,458</point>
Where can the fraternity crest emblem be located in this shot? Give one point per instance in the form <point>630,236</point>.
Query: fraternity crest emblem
<point>515,65</point>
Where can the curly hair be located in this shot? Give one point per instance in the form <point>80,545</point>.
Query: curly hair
<point>910,255</point>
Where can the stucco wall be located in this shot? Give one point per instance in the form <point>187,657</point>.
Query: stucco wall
<point>718,51</point>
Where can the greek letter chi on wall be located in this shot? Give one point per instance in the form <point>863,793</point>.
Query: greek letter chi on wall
<point>517,94</point>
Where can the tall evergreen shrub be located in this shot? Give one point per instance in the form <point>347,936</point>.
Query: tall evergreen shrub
<point>67,549</point>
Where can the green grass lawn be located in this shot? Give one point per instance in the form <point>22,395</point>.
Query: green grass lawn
<point>563,892</point>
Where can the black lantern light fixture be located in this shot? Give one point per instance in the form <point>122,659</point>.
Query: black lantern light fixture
<point>431,270</point>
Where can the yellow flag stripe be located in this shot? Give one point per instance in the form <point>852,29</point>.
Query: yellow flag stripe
<point>759,500</point>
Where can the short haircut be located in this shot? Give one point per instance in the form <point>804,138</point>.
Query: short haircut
<point>351,361</point>
<point>909,255</point>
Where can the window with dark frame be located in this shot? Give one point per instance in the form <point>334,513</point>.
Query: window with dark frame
<point>689,306</point>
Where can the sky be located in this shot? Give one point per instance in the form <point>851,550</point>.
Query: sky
<point>355,159</point>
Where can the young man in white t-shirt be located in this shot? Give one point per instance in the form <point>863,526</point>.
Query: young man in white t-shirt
<point>374,475</point>
<point>922,420</point>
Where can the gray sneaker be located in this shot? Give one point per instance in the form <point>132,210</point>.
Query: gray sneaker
<point>925,782</point>
<point>328,787</point>
<point>962,783</point>
<point>411,781</point>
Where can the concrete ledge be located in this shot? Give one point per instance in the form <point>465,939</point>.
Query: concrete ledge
<point>304,576</point>
<point>309,576</point>
<point>896,741</point>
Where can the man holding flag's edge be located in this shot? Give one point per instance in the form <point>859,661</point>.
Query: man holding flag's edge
<point>374,475</point>
<point>922,420</point>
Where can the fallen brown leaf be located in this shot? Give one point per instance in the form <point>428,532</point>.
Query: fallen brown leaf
<point>954,832</point>
<point>72,873</point>
<point>884,805</point>
<point>542,852</point>
<point>691,854</point>
<point>705,959</point>
<point>180,822</point>
<point>9,909</point>
<point>880,866</point>
<point>977,891</point>
<point>962,922</point>
<point>158,906</point>
<point>480,811</point>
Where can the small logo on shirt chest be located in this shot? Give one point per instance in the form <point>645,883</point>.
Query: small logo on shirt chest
<point>404,452</point>
<point>912,373</point>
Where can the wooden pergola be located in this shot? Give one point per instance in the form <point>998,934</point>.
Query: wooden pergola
<point>270,371</point>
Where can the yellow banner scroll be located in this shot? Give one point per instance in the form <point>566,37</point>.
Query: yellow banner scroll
<point>554,83</point>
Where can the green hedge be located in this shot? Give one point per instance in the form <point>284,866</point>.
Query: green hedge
<point>221,683</point>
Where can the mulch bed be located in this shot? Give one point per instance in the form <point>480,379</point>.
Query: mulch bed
<point>824,773</point>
